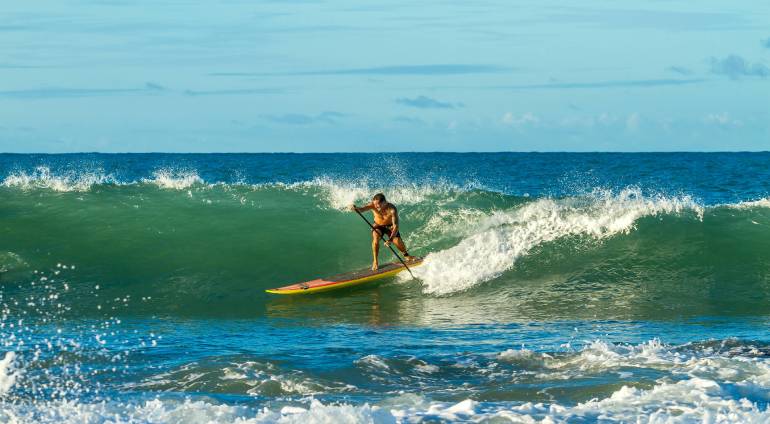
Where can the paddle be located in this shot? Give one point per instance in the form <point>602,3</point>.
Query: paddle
<point>391,247</point>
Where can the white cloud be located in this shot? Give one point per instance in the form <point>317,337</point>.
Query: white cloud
<point>527,118</point>
<point>632,122</point>
<point>603,119</point>
<point>722,119</point>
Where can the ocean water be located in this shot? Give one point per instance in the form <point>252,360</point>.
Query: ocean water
<point>557,287</point>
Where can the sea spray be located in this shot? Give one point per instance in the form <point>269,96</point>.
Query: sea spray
<point>339,194</point>
<point>8,372</point>
<point>51,360</point>
<point>505,236</point>
<point>174,179</point>
<point>630,288</point>
<point>42,178</point>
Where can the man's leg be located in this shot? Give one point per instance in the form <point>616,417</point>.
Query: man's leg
<point>375,249</point>
<point>401,246</point>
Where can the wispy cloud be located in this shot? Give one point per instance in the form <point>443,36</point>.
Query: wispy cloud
<point>601,84</point>
<point>438,69</point>
<point>233,92</point>
<point>154,86</point>
<point>425,102</point>
<point>722,119</point>
<point>632,122</point>
<point>150,88</point>
<point>59,92</point>
<point>408,120</point>
<point>511,119</point>
<point>326,117</point>
<point>680,70</point>
<point>15,66</point>
<point>603,119</point>
<point>735,67</point>
<point>658,19</point>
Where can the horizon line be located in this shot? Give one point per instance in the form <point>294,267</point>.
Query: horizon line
<point>389,152</point>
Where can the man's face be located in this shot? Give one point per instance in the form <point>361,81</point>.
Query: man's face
<point>377,203</point>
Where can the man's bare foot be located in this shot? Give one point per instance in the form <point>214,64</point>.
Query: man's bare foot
<point>410,258</point>
<point>375,266</point>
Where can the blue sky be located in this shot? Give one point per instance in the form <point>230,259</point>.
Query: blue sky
<point>326,76</point>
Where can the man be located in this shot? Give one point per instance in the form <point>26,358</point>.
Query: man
<point>385,222</point>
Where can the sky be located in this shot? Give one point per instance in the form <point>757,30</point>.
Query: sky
<point>384,76</point>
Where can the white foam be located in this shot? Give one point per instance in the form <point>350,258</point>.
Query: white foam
<point>190,411</point>
<point>600,356</point>
<point>503,237</point>
<point>524,357</point>
<point>339,194</point>
<point>696,388</point>
<point>700,385</point>
<point>463,409</point>
<point>259,378</point>
<point>8,372</point>
<point>372,361</point>
<point>426,368</point>
<point>447,223</point>
<point>174,179</point>
<point>691,400</point>
<point>42,178</point>
<point>687,401</point>
<point>11,261</point>
<point>750,374</point>
<point>751,204</point>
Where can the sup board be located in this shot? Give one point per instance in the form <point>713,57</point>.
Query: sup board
<point>348,279</point>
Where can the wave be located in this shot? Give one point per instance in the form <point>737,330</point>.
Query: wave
<point>185,241</point>
<point>699,401</point>
<point>715,381</point>
<point>42,178</point>
<point>335,193</point>
<point>174,179</point>
<point>239,375</point>
<point>339,194</point>
<point>502,237</point>
<point>751,204</point>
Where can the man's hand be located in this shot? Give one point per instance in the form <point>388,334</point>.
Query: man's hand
<point>393,232</point>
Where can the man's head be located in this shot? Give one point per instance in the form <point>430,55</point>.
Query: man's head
<point>378,200</point>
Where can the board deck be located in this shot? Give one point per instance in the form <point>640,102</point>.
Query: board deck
<point>347,279</point>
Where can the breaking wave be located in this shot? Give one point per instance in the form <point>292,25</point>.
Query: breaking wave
<point>184,240</point>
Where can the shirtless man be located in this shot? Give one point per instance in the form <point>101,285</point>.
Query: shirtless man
<point>385,222</point>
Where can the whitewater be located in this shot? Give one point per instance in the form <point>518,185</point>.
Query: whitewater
<point>556,288</point>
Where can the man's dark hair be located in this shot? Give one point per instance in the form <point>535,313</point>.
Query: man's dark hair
<point>379,196</point>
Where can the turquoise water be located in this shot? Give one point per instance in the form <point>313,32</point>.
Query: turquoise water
<point>573,287</point>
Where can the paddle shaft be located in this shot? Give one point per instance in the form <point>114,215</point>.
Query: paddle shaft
<point>383,235</point>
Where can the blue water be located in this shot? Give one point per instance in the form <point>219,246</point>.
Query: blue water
<point>574,287</point>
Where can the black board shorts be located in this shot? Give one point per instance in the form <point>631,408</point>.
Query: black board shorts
<point>386,229</point>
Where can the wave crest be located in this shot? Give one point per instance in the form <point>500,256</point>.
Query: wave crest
<point>174,179</point>
<point>339,194</point>
<point>503,237</point>
<point>42,178</point>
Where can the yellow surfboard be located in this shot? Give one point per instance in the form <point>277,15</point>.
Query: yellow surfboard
<point>348,279</point>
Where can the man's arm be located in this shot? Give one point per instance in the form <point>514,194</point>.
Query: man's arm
<point>362,208</point>
<point>394,213</point>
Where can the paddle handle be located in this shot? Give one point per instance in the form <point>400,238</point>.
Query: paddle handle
<point>383,236</point>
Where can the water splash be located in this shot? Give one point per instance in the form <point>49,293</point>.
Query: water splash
<point>42,178</point>
<point>503,237</point>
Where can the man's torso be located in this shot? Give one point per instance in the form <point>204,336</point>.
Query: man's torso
<point>385,215</point>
